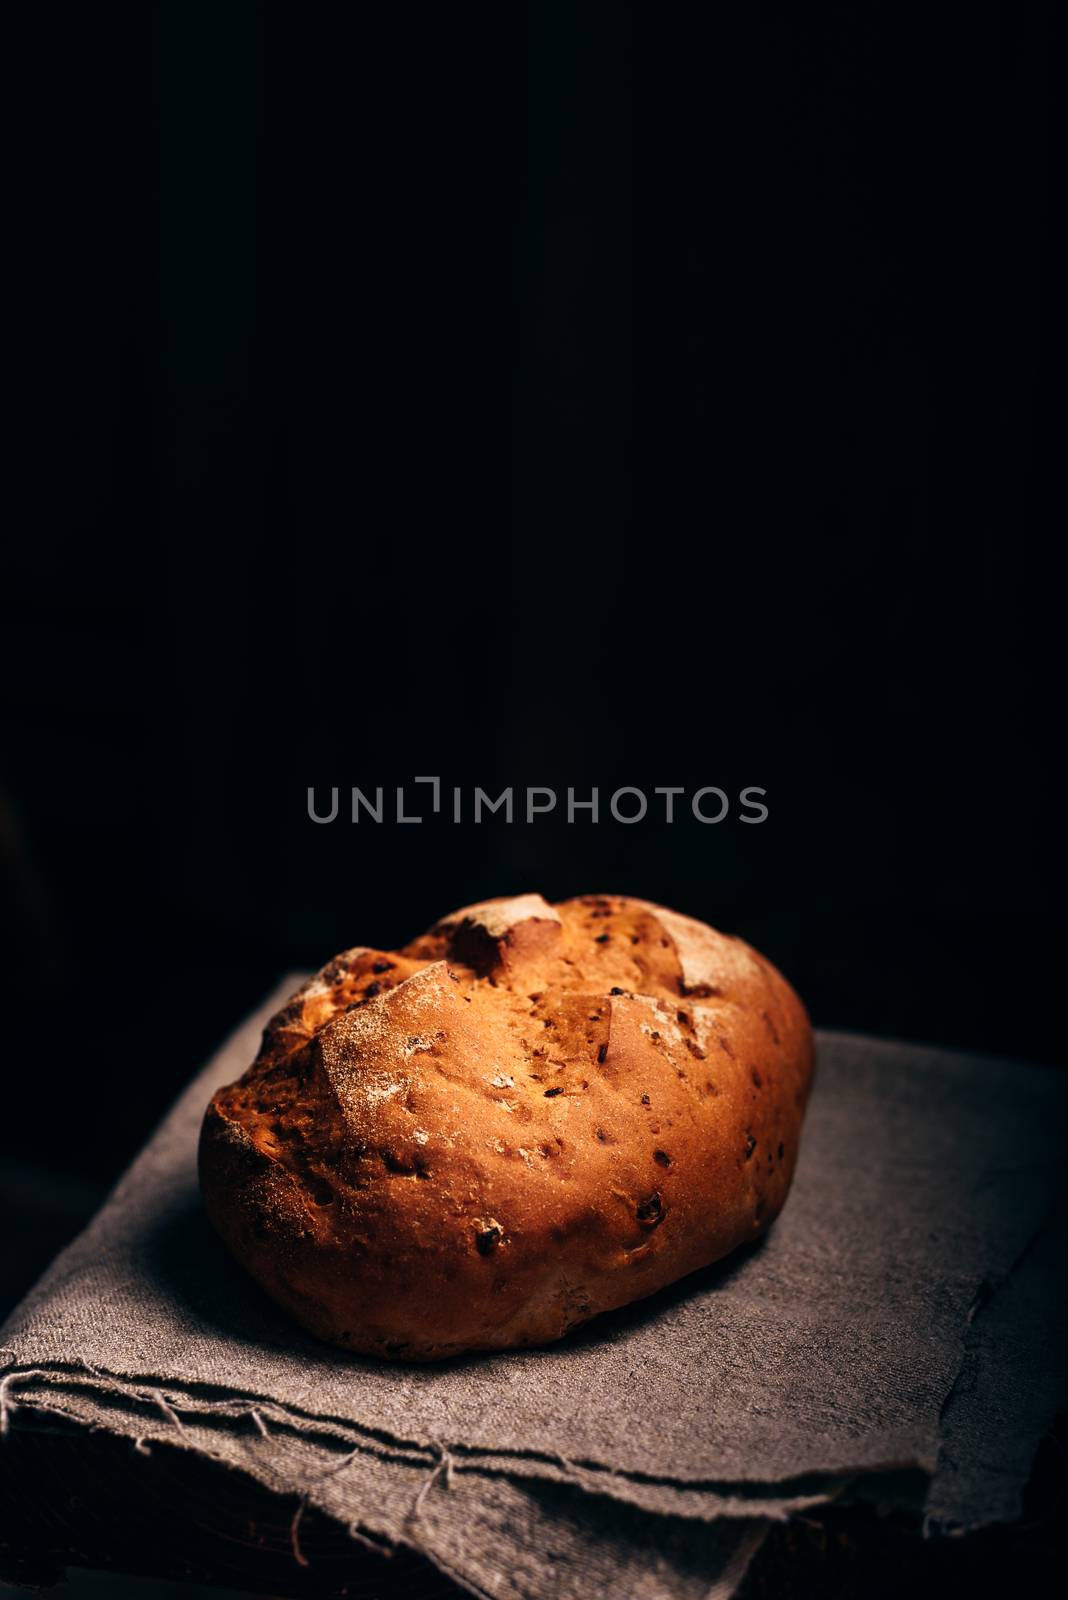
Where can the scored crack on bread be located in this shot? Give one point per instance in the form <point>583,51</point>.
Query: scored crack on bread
<point>528,1116</point>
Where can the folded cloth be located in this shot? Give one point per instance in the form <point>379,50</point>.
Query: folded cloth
<point>499,1538</point>
<point>818,1358</point>
<point>1012,1382</point>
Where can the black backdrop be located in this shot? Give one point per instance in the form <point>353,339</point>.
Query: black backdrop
<point>526,395</point>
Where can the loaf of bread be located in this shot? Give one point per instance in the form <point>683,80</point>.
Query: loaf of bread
<point>528,1116</point>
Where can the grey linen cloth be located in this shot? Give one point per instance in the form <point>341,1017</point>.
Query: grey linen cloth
<point>650,1449</point>
<point>1012,1381</point>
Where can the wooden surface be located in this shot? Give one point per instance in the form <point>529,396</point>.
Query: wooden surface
<point>67,1498</point>
<point>90,1501</point>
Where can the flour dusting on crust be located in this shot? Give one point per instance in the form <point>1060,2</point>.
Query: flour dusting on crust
<point>499,917</point>
<point>604,1095</point>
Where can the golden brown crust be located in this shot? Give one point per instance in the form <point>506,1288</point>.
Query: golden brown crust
<point>530,1115</point>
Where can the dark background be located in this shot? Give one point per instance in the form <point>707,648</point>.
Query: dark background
<point>539,394</point>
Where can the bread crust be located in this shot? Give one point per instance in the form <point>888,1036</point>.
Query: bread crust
<point>528,1116</point>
